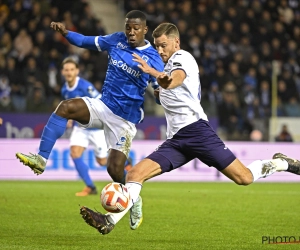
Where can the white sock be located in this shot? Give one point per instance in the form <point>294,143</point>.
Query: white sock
<point>115,217</point>
<point>134,189</point>
<point>264,168</point>
<point>281,164</point>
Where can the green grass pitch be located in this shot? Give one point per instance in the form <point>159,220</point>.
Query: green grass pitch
<point>45,215</point>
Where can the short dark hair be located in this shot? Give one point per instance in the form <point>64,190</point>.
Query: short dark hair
<point>136,14</point>
<point>168,29</point>
<point>69,60</point>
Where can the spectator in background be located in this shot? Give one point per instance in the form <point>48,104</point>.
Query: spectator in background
<point>22,44</point>
<point>229,111</point>
<point>5,44</point>
<point>265,98</point>
<point>236,77</point>
<point>100,28</point>
<point>286,14</point>
<point>36,102</point>
<point>13,28</point>
<point>284,135</point>
<point>292,108</point>
<point>18,88</point>
<point>203,24</point>
<point>215,99</point>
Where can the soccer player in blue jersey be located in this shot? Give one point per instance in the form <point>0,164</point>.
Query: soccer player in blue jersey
<point>189,134</point>
<point>76,86</point>
<point>120,106</point>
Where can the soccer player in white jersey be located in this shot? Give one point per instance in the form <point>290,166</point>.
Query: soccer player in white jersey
<point>189,134</point>
<point>118,109</point>
<point>80,138</point>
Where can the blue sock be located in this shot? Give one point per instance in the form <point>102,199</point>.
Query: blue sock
<point>83,171</point>
<point>124,177</point>
<point>53,130</point>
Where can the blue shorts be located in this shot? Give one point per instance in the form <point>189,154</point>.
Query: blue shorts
<point>197,140</point>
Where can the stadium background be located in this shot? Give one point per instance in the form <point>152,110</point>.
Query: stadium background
<point>248,54</point>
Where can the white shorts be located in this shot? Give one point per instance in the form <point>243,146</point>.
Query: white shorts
<point>83,138</point>
<point>118,132</point>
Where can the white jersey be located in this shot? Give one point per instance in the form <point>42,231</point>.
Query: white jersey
<point>182,104</point>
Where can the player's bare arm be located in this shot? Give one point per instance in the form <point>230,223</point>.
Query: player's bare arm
<point>143,65</point>
<point>177,77</point>
<point>59,27</point>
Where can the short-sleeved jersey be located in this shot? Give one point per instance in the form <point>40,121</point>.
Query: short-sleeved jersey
<point>182,104</point>
<point>81,88</point>
<point>125,84</point>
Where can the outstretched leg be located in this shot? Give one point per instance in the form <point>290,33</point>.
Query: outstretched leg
<point>74,109</point>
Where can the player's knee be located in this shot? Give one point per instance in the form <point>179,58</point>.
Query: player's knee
<point>62,109</point>
<point>65,108</point>
<point>76,151</point>
<point>75,154</point>
<point>244,180</point>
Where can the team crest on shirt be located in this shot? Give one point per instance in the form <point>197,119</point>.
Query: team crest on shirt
<point>145,58</point>
<point>90,90</point>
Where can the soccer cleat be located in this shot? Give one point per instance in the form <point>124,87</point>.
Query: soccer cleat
<point>34,161</point>
<point>96,220</point>
<point>136,214</point>
<point>294,165</point>
<point>87,191</point>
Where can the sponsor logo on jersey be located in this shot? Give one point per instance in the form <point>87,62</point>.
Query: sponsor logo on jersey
<point>121,46</point>
<point>177,64</point>
<point>122,65</point>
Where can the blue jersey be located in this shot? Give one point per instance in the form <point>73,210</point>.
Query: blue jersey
<point>81,88</point>
<point>125,84</point>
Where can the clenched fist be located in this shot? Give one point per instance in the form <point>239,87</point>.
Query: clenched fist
<point>59,27</point>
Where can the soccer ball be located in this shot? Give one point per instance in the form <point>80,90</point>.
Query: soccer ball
<point>114,197</point>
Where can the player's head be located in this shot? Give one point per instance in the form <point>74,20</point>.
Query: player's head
<point>166,40</point>
<point>135,28</point>
<point>70,69</point>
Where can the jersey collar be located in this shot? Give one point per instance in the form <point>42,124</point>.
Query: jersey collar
<point>147,45</point>
<point>74,86</point>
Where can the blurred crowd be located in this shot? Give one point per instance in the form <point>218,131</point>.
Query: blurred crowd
<point>234,42</point>
<point>31,53</point>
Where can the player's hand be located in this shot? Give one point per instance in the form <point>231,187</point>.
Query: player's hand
<point>59,27</point>
<point>143,65</point>
<point>70,124</point>
<point>164,80</point>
